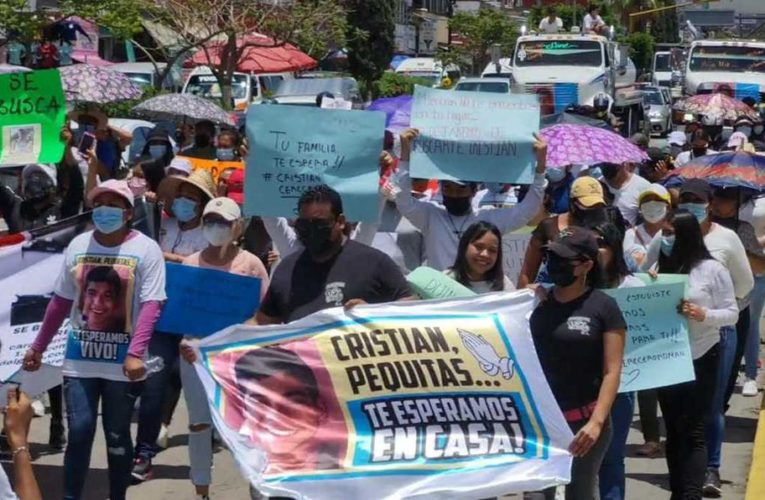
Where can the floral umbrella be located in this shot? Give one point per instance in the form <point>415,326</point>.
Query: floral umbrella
<point>732,169</point>
<point>172,106</point>
<point>86,83</point>
<point>585,145</point>
<point>720,105</point>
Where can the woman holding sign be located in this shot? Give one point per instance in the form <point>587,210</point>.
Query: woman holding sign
<point>710,304</point>
<point>222,227</point>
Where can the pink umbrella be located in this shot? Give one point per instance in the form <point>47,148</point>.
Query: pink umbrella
<point>569,144</point>
<point>720,105</point>
<point>261,56</point>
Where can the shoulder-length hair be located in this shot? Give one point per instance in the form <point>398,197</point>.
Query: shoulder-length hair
<point>495,275</point>
<point>689,248</point>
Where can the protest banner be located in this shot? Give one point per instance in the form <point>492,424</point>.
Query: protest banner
<point>474,136</point>
<point>203,301</point>
<point>32,112</point>
<point>657,352</point>
<point>407,399</point>
<point>24,295</point>
<point>514,247</point>
<point>294,148</point>
<point>427,283</point>
<point>215,167</point>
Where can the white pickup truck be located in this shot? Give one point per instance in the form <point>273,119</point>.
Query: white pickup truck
<point>733,67</point>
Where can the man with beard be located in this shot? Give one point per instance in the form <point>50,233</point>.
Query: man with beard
<point>442,226</point>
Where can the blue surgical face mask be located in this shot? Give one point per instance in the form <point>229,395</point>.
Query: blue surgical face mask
<point>667,244</point>
<point>225,154</point>
<point>157,151</point>
<point>596,172</point>
<point>555,174</point>
<point>108,219</point>
<point>699,210</point>
<point>744,129</point>
<point>184,209</point>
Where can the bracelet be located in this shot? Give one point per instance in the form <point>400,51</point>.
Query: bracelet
<point>19,450</point>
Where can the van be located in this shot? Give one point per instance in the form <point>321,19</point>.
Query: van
<point>145,74</point>
<point>245,88</point>
<point>427,68</point>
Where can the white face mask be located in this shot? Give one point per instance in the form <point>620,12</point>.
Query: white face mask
<point>217,235</point>
<point>653,211</point>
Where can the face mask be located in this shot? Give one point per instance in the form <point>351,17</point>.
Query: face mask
<point>699,151</point>
<point>157,151</point>
<point>653,211</point>
<point>457,206</point>
<point>758,129</point>
<point>201,141</point>
<point>561,271</point>
<point>184,209</point>
<point>596,172</point>
<point>555,174</point>
<point>316,236</point>
<point>37,188</point>
<point>216,235</point>
<point>610,171</point>
<point>588,216</point>
<point>746,130</point>
<point>225,154</point>
<point>699,210</point>
<point>667,243</point>
<point>108,219</point>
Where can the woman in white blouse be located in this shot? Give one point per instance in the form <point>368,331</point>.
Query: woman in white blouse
<point>710,304</point>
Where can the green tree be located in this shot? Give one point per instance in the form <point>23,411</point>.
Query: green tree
<point>25,25</point>
<point>395,84</point>
<point>641,50</point>
<point>370,39</point>
<point>480,32</point>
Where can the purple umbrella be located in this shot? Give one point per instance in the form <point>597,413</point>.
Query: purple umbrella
<point>86,83</point>
<point>584,145</point>
<point>398,111</point>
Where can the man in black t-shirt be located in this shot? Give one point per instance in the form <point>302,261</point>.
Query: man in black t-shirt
<point>332,270</point>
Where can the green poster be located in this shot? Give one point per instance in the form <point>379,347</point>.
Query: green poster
<point>428,283</point>
<point>32,112</point>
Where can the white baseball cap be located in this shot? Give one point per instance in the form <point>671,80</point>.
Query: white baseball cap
<point>225,207</point>
<point>180,165</point>
<point>677,138</point>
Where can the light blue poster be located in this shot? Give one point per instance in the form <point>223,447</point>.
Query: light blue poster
<point>474,136</point>
<point>293,148</point>
<point>656,351</point>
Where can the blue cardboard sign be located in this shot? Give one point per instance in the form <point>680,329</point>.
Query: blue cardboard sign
<point>474,136</point>
<point>202,301</point>
<point>294,148</point>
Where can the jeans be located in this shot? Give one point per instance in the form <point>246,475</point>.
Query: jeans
<point>648,406</point>
<point>150,412</point>
<point>200,441</point>
<point>715,424</point>
<point>742,329</point>
<point>612,469</point>
<point>752,347</point>
<point>684,407</point>
<point>82,397</point>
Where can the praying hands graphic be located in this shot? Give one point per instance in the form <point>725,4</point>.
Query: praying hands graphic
<point>486,356</point>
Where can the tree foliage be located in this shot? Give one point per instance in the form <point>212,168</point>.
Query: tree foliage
<point>21,24</point>
<point>479,32</point>
<point>395,84</point>
<point>370,39</point>
<point>641,50</point>
<point>121,17</point>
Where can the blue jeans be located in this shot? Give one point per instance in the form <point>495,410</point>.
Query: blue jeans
<point>150,412</point>
<point>752,348</point>
<point>612,469</point>
<point>200,440</point>
<point>82,397</point>
<point>715,421</point>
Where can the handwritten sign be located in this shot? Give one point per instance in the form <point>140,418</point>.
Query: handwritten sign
<point>657,352</point>
<point>514,247</point>
<point>215,167</point>
<point>32,112</point>
<point>201,301</point>
<point>428,283</point>
<point>296,148</point>
<point>474,136</point>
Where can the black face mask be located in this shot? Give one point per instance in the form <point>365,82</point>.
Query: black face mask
<point>201,140</point>
<point>315,235</point>
<point>36,189</point>
<point>457,206</point>
<point>588,217</point>
<point>609,171</point>
<point>560,270</point>
<point>699,151</point>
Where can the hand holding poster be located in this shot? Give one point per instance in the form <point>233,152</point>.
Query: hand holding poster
<point>32,112</point>
<point>294,148</point>
<point>474,136</point>
<point>404,399</point>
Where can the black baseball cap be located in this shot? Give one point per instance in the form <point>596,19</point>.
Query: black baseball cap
<point>697,187</point>
<point>574,242</point>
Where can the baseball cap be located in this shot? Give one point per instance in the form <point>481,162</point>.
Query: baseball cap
<point>225,207</point>
<point>656,190</point>
<point>737,140</point>
<point>48,170</point>
<point>235,186</point>
<point>696,187</point>
<point>587,191</point>
<point>640,140</point>
<point>181,165</point>
<point>676,138</point>
<point>573,242</point>
<point>115,186</point>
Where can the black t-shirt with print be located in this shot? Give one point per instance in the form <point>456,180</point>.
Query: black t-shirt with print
<point>569,341</point>
<point>301,286</point>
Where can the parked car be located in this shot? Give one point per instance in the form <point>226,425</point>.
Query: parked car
<point>144,74</point>
<point>303,91</point>
<point>658,107</point>
<point>494,85</point>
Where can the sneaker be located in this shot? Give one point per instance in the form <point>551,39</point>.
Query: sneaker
<point>712,487</point>
<point>141,470</point>
<point>57,439</point>
<point>164,436</point>
<point>38,407</point>
<point>749,388</point>
<point>650,449</point>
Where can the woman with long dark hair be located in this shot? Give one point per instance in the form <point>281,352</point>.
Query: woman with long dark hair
<point>478,265</point>
<point>709,305</point>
